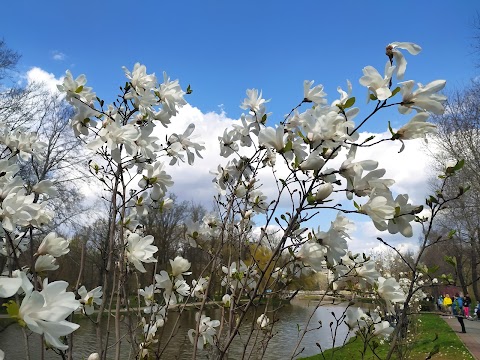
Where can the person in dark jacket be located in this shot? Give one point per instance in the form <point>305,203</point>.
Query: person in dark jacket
<point>457,309</point>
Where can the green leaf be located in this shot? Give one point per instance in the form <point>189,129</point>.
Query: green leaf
<point>395,91</point>
<point>459,165</point>
<point>349,102</point>
<point>452,260</point>
<point>390,129</point>
<point>189,90</point>
<point>451,233</point>
<point>264,119</point>
<point>288,147</point>
<point>373,97</point>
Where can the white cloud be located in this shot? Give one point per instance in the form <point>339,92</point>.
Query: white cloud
<point>58,56</point>
<point>40,76</point>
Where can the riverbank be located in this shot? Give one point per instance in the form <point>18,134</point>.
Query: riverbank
<point>432,331</point>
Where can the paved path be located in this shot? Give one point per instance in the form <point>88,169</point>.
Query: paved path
<point>472,338</point>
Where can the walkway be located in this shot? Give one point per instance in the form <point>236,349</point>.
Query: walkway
<point>472,338</point>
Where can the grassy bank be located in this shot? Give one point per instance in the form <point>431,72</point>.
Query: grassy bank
<point>429,326</point>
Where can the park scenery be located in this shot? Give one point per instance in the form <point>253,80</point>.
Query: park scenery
<point>337,222</point>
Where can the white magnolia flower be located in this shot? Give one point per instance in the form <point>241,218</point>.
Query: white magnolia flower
<point>140,250</point>
<point>9,286</point>
<point>390,290</point>
<point>45,187</point>
<point>400,61</point>
<point>139,78</point>
<point>315,95</point>
<point>417,127</point>
<point>263,321</point>
<point>271,137</point>
<point>171,95</point>
<point>380,327</point>
<point>206,332</point>
<point>403,217</point>
<point>148,294</point>
<point>199,287</point>
<point>180,266</point>
<point>355,318</point>
<point>425,98</point>
<point>53,245</point>
<point>88,298</point>
<point>254,101</point>
<point>46,263</point>
<point>94,356</point>
<point>314,161</point>
<point>45,312</point>
<point>75,88</point>
<point>379,208</point>
<point>312,254</point>
<point>158,179</point>
<point>376,83</point>
<point>186,143</point>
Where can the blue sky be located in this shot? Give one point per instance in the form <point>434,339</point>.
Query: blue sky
<point>223,48</point>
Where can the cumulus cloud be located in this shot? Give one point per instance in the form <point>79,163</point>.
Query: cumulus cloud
<point>40,76</point>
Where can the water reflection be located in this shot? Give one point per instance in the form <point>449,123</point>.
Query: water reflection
<point>291,318</point>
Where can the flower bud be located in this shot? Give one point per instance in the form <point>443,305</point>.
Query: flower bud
<point>324,191</point>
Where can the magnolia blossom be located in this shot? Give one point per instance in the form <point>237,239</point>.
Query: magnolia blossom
<point>186,143</point>
<point>355,317</point>
<point>180,266</point>
<point>417,127</point>
<point>158,179</point>
<point>88,298</point>
<point>404,215</point>
<point>140,250</point>
<point>46,263</point>
<point>139,78</point>
<point>45,312</point>
<point>274,138</point>
<point>392,51</point>
<point>390,290</point>
<point>53,245</point>
<point>263,321</point>
<point>425,98</point>
<point>148,294</point>
<point>9,286</point>
<point>376,83</point>
<point>312,254</point>
<point>254,101</point>
<point>76,89</point>
<point>206,331</point>
<point>379,208</point>
<point>199,287</point>
<point>94,356</point>
<point>315,95</point>
<point>171,95</point>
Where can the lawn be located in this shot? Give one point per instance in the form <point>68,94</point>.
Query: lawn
<point>422,342</point>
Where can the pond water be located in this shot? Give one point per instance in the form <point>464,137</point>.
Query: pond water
<point>291,317</point>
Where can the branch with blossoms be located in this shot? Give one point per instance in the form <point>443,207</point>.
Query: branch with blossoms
<point>248,272</point>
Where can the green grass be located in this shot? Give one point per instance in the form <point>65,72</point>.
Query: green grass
<point>420,344</point>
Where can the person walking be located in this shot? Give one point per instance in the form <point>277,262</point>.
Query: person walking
<point>466,305</point>
<point>457,309</point>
